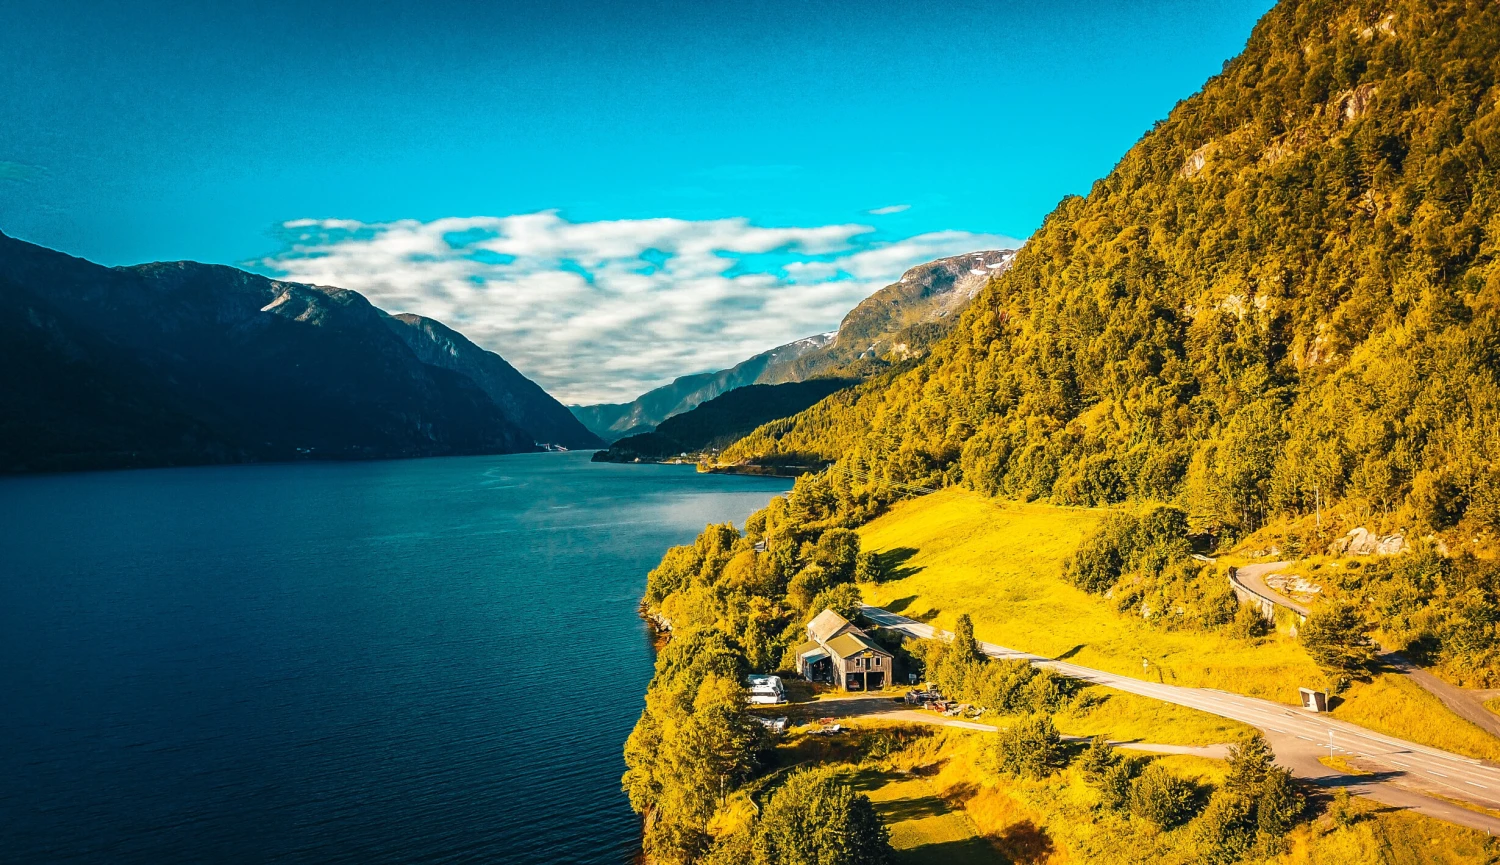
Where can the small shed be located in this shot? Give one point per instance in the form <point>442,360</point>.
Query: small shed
<point>1313,701</point>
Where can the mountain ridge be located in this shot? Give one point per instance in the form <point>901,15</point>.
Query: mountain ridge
<point>895,323</point>
<point>176,363</point>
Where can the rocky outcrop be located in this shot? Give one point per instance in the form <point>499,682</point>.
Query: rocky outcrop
<point>1361,542</point>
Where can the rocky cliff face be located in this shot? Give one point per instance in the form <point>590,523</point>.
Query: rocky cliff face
<point>896,323</point>
<point>902,320</point>
<point>182,363</point>
<point>522,399</point>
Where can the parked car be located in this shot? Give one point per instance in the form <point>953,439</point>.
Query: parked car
<point>765,690</point>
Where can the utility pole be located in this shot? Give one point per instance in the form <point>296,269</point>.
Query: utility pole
<point>1330,744</point>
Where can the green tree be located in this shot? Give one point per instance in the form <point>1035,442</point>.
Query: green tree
<point>1097,759</point>
<point>1225,831</point>
<point>842,599</point>
<point>964,646</point>
<point>1337,636</point>
<point>1161,798</point>
<point>1030,748</point>
<point>868,568</point>
<point>816,818</point>
<point>1264,795</point>
<point>1251,761</point>
<point>837,552</point>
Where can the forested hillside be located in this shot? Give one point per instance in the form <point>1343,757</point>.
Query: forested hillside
<point>1284,295</point>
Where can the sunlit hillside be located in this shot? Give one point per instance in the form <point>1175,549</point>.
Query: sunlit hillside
<point>1002,563</point>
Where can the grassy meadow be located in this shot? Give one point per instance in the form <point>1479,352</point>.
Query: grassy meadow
<point>1002,562</point>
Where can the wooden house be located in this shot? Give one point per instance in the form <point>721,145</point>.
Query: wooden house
<point>839,653</point>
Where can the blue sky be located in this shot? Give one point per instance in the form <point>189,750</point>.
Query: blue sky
<point>141,131</point>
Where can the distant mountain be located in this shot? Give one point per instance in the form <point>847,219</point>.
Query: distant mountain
<point>185,363</point>
<point>616,420</point>
<point>721,420</point>
<point>896,323</point>
<point>523,400</point>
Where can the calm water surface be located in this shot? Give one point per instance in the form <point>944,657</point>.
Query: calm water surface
<point>419,661</point>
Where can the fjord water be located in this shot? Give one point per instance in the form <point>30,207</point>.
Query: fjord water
<point>415,661</point>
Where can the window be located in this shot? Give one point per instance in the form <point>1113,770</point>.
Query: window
<point>877,662</point>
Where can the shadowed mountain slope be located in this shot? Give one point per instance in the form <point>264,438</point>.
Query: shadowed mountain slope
<point>183,363</point>
<point>721,420</point>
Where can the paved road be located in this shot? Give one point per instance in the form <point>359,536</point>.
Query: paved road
<point>1252,577</point>
<point>1465,703</point>
<point>1299,737</point>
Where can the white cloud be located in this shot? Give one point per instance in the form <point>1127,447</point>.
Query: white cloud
<point>603,311</point>
<point>888,210</point>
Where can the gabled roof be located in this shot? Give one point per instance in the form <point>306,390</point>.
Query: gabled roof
<point>852,643</point>
<point>825,625</point>
<point>806,647</point>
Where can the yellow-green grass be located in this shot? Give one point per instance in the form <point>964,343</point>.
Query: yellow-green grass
<point>1389,836</point>
<point>1339,764</point>
<point>925,828</point>
<point>1002,563</point>
<point>1397,706</point>
<point>1122,717</point>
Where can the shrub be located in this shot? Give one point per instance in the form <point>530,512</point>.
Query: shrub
<point>1030,748</point>
<point>1225,831</point>
<point>1097,760</point>
<point>1115,784</point>
<point>1341,808</point>
<point>1248,623</point>
<point>1102,556</point>
<point>1161,798</point>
